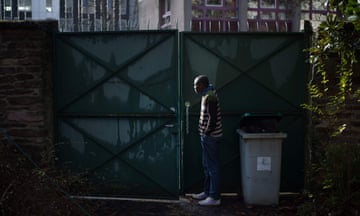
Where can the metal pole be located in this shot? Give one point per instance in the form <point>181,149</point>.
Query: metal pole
<point>267,26</point>
<point>94,2</point>
<point>80,11</point>
<point>17,9</point>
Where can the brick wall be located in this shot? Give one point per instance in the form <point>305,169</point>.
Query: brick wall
<point>26,83</point>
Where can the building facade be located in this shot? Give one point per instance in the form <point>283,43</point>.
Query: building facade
<point>256,15</point>
<point>185,15</point>
<point>29,9</point>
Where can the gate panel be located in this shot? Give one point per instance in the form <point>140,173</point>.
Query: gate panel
<point>253,72</point>
<point>116,101</point>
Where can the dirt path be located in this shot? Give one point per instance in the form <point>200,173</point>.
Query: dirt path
<point>188,207</point>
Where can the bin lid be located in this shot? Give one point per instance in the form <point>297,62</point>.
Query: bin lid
<point>260,122</point>
<point>260,136</point>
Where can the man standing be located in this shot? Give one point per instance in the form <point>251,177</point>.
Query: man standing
<point>210,129</point>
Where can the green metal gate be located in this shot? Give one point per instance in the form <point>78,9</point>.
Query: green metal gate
<point>120,105</point>
<point>253,72</point>
<point>116,102</point>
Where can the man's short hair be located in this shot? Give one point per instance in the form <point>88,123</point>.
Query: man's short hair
<point>202,79</point>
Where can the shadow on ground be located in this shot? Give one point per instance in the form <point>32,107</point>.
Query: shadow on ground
<point>188,207</point>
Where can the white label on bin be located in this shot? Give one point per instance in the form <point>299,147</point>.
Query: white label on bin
<point>263,164</point>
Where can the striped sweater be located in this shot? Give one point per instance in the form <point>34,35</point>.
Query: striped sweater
<point>210,114</point>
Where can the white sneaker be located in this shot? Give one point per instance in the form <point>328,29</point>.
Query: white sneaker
<point>199,196</point>
<point>210,202</point>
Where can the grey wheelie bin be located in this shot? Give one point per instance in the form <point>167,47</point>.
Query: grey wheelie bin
<point>260,158</point>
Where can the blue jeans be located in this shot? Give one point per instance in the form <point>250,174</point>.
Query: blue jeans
<point>211,165</point>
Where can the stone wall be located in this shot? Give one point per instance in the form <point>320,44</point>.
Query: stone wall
<point>26,84</point>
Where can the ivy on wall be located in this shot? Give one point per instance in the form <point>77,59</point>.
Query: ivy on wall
<point>333,173</point>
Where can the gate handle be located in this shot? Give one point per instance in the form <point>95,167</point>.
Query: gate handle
<point>187,105</point>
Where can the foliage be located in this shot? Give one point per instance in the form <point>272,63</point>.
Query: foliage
<point>346,7</point>
<point>334,187</point>
<point>333,174</point>
<point>27,190</point>
<point>350,9</point>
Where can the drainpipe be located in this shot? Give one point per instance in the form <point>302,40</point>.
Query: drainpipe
<point>187,15</point>
<point>243,7</point>
<point>296,15</point>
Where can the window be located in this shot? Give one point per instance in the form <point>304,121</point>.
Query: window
<point>314,10</point>
<point>24,5</point>
<point>267,4</point>
<point>283,4</point>
<point>224,9</point>
<point>215,15</point>
<point>218,3</point>
<point>268,9</point>
<point>7,5</point>
<point>49,6</point>
<point>269,15</point>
